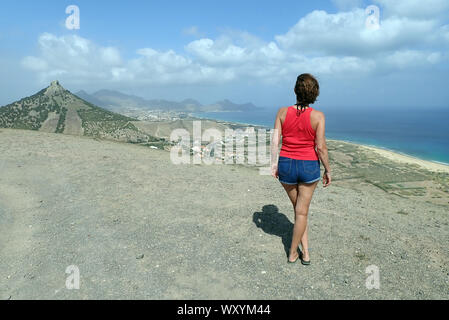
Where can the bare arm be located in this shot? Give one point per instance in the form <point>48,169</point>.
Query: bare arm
<point>275,145</point>
<point>321,148</point>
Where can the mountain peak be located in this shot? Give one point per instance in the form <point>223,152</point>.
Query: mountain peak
<point>54,88</point>
<point>56,110</point>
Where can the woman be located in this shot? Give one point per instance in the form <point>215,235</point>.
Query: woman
<point>298,169</point>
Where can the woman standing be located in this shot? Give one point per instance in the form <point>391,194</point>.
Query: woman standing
<point>298,169</point>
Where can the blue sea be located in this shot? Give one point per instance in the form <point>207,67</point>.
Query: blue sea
<point>418,132</point>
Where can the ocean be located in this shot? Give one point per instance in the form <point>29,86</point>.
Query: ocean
<point>418,132</point>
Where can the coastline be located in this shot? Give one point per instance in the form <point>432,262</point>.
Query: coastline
<point>401,157</point>
<point>393,155</point>
<point>196,117</point>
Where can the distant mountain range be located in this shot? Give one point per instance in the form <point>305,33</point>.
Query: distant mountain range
<point>120,102</point>
<point>56,110</point>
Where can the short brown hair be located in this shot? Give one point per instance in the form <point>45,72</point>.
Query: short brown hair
<point>307,89</point>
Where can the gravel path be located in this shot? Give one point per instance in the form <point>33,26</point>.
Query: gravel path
<point>139,227</point>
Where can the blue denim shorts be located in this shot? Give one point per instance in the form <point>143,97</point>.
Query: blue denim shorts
<point>293,171</point>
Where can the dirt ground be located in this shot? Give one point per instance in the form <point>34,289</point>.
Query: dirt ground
<point>139,227</point>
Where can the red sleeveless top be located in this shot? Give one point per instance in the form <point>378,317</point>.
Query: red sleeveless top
<point>298,136</point>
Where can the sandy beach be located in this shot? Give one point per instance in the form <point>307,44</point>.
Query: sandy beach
<point>397,157</point>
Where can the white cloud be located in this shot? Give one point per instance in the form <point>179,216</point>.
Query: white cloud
<point>213,52</point>
<point>420,9</point>
<point>110,56</point>
<point>405,58</point>
<point>321,43</point>
<point>35,64</point>
<point>345,33</point>
<point>192,31</point>
<point>73,56</point>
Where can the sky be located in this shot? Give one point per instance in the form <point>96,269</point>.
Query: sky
<point>394,54</point>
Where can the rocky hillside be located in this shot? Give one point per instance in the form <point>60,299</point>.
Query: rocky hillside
<point>56,110</point>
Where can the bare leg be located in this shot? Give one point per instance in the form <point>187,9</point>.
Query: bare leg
<point>304,195</point>
<point>292,192</point>
<point>305,245</point>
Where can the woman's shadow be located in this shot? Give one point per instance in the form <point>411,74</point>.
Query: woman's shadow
<point>271,221</point>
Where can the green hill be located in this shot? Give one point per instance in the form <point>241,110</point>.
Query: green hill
<point>56,110</point>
